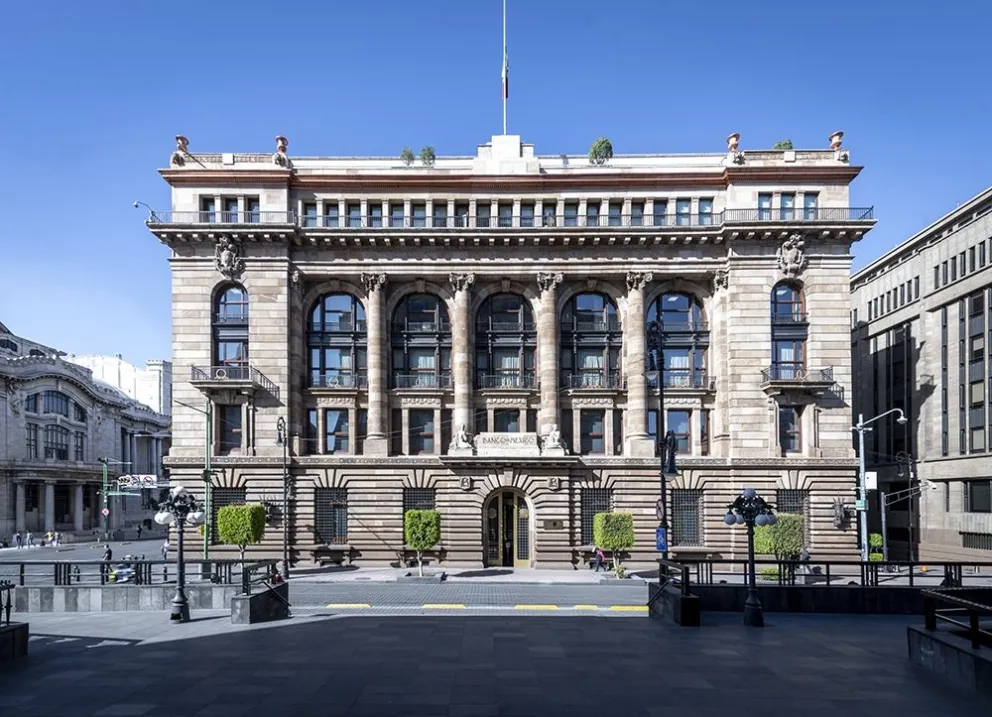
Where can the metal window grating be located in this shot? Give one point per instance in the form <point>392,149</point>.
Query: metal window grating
<point>796,502</point>
<point>687,517</point>
<point>593,500</point>
<point>418,499</point>
<point>330,515</point>
<point>219,497</point>
<point>976,541</point>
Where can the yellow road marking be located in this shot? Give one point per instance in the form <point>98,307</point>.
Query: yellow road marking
<point>443,606</point>
<point>535,607</point>
<point>629,608</point>
<point>346,605</point>
<point>586,607</point>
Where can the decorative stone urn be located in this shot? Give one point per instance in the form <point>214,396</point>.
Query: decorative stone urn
<point>836,139</point>
<point>733,141</point>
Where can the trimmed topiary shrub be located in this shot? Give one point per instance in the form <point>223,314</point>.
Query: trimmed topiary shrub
<point>875,557</point>
<point>783,144</point>
<point>788,536</point>
<point>601,151</point>
<point>421,531</point>
<point>615,532</point>
<point>241,525</point>
<point>763,540</point>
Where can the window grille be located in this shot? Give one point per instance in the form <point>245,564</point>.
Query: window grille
<point>976,541</point>
<point>330,515</point>
<point>593,501</point>
<point>418,499</point>
<point>687,517</point>
<point>796,502</point>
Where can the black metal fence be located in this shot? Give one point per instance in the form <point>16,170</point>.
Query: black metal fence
<point>675,574</point>
<point>974,604</point>
<point>6,601</point>
<point>130,572</point>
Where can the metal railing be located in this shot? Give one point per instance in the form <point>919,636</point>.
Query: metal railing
<point>796,372</point>
<point>235,373</point>
<point>257,573</point>
<point>676,574</point>
<point>594,379</point>
<point>567,220</point>
<point>506,380</point>
<point>683,378</point>
<point>789,317</point>
<point>240,317</point>
<point>577,325</point>
<point>974,603</point>
<point>6,601</point>
<point>332,379</point>
<point>133,571</point>
<point>422,327</point>
<point>504,326</point>
<point>422,380</point>
<point>343,327</point>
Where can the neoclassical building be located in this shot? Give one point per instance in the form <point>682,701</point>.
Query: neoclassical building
<point>56,424</point>
<point>483,335</point>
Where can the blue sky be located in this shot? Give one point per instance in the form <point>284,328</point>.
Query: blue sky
<point>92,94</point>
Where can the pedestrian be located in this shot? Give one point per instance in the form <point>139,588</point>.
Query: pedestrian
<point>139,531</point>
<point>600,557</point>
<point>57,539</point>
<point>165,549</point>
<point>17,540</point>
<point>30,540</point>
<point>108,554</point>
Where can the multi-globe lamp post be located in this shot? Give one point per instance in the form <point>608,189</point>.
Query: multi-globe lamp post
<point>180,509</point>
<point>750,509</point>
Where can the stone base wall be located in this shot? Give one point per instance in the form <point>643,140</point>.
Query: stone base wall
<point>119,598</point>
<point>14,639</point>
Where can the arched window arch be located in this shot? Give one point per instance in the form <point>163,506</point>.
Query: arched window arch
<point>230,329</point>
<point>677,327</point>
<point>505,343</point>
<point>421,343</point>
<point>590,342</point>
<point>789,332</point>
<point>337,339</point>
<point>9,345</point>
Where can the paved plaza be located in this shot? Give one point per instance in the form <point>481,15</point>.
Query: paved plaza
<point>106,664</point>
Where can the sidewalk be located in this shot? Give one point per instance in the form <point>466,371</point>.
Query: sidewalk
<point>518,576</point>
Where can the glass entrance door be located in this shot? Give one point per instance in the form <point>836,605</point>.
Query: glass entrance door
<point>507,531</point>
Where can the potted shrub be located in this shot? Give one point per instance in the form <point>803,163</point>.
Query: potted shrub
<point>783,144</point>
<point>875,543</point>
<point>427,156</point>
<point>421,532</point>
<point>614,532</point>
<point>406,156</point>
<point>241,525</point>
<point>600,152</point>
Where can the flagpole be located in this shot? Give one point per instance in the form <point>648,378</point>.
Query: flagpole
<point>505,69</point>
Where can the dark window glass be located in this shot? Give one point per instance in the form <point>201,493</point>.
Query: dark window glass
<point>593,432</point>
<point>422,431</point>
<point>336,431</point>
<point>789,429</point>
<point>680,422</point>
<point>229,429</point>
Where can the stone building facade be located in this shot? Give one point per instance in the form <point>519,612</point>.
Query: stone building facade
<point>150,386</point>
<point>56,424</point>
<point>922,342</point>
<point>481,335</point>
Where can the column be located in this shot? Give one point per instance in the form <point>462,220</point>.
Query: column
<point>321,430</point>
<point>126,440</point>
<point>133,468</point>
<point>377,441</point>
<point>245,429</point>
<point>461,351</point>
<point>636,441</point>
<point>547,341</point>
<point>439,448</point>
<point>20,506</point>
<point>77,507</point>
<point>49,506</point>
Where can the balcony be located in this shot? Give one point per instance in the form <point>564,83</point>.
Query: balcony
<point>684,326</point>
<point>340,327</point>
<point>336,379</point>
<point>688,379</point>
<point>504,327</point>
<point>782,377</point>
<point>831,215</point>
<point>594,380</point>
<point>432,381</point>
<point>421,327</point>
<point>586,325</point>
<point>231,376</point>
<point>787,317</point>
<point>224,219</point>
<point>231,317</point>
<point>520,381</point>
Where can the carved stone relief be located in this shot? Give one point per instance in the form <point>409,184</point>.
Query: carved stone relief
<point>546,281</point>
<point>597,401</point>
<point>420,402</point>
<point>461,282</point>
<point>228,259</point>
<point>721,280</point>
<point>336,402</point>
<point>792,259</point>
<point>373,281</point>
<point>637,280</point>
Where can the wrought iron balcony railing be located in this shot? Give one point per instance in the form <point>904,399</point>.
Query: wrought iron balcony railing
<point>594,379</point>
<point>789,317</point>
<point>799,214</point>
<point>509,327</point>
<point>224,218</point>
<point>233,373</point>
<point>796,373</point>
<point>343,327</point>
<point>677,326</point>
<point>231,317</point>
<point>338,379</point>
<point>526,380</point>
<point>684,378</point>
<point>422,380</point>
<point>577,324</point>
<point>422,327</point>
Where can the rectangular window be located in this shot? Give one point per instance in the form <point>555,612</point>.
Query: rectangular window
<point>353,210</point>
<point>789,429</point>
<point>549,213</point>
<point>505,216</point>
<point>396,214</point>
<point>310,443</point>
<point>230,211</point>
<point>962,264</point>
<point>527,214</point>
<point>461,215</point>
<point>679,422</point>
<point>683,212</point>
<point>977,348</point>
<point>531,420</point>
<point>704,432</point>
<point>592,502</point>
<point>309,214</point>
<point>32,441</point>
<point>764,207</point>
<point>208,209</point>
<point>396,431</point>
<point>810,206</point>
<point>978,496</point>
<point>954,269</point>
<point>660,212</point>
<point>375,214</point>
<point>981,255</point>
<point>78,445</point>
<point>31,403</point>
<point>571,214</point>
<point>902,295</point>
<point>220,497</point>
<point>916,288</point>
<point>228,429</point>
<point>566,428</point>
<point>330,515</point>
<point>706,212</point>
<point>788,207</point>
<point>687,517</point>
<point>636,214</point>
<point>971,259</point>
<point>616,214</point>
<point>332,214</point>
<point>419,499</point>
<point>936,278</point>
<point>419,211</point>
<point>57,443</point>
<point>481,421</point>
<point>335,430</point>
<point>363,431</point>
<point>592,213</point>
<point>440,218</point>
<point>506,420</point>
<point>617,432</point>
<point>592,438</point>
<point>421,432</point>
<point>447,419</point>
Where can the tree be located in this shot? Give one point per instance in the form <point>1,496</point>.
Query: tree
<point>613,532</point>
<point>427,156</point>
<point>783,144</point>
<point>407,156</point>
<point>241,525</point>
<point>788,536</point>
<point>421,532</point>
<point>601,151</point>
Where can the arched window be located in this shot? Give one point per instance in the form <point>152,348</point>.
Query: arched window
<point>505,343</point>
<point>337,340</point>
<point>789,332</point>
<point>230,328</point>
<point>56,402</point>
<point>590,342</point>
<point>9,345</point>
<point>421,343</point>
<point>677,327</point>
<point>36,352</point>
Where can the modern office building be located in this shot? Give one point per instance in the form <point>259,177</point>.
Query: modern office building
<point>479,334</point>
<point>150,386</point>
<point>922,343</point>
<point>56,424</point>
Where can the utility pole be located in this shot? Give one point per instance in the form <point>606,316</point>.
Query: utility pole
<point>862,427</point>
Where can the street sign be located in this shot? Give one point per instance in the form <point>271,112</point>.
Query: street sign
<point>871,480</point>
<point>138,481</point>
<point>106,512</point>
<point>859,505</point>
<point>661,540</point>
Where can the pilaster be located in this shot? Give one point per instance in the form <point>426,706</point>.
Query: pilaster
<point>461,354</point>
<point>377,442</point>
<point>547,341</point>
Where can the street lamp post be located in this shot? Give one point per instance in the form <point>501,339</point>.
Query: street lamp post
<point>208,446</point>
<point>179,509</point>
<point>862,427</point>
<point>282,439</point>
<point>751,509</point>
<point>105,493</point>
<point>665,442</point>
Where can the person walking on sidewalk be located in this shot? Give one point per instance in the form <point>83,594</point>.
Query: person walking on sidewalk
<point>18,541</point>
<point>30,540</point>
<point>600,557</point>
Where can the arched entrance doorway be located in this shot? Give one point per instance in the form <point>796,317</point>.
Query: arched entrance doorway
<point>506,530</point>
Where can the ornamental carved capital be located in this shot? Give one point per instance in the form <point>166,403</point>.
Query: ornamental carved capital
<point>547,281</point>
<point>721,280</point>
<point>373,281</point>
<point>637,280</point>
<point>461,282</point>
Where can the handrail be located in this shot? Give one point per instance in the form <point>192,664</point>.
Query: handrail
<point>975,611</point>
<point>249,572</point>
<point>88,572</point>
